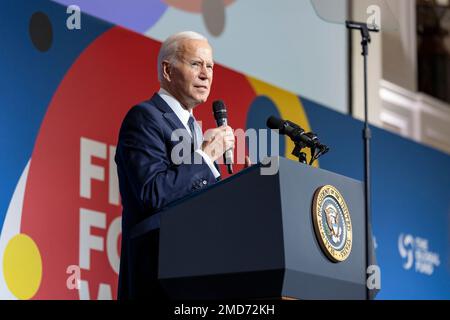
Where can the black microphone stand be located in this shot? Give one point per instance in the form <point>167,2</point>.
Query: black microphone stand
<point>367,135</point>
<point>298,152</point>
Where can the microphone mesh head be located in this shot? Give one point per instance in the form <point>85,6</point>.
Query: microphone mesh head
<point>275,123</point>
<point>218,105</point>
<point>219,109</point>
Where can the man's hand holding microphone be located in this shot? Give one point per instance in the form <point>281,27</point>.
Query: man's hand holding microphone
<point>221,141</point>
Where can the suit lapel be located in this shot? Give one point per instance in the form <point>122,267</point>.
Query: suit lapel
<point>168,113</point>
<point>173,120</point>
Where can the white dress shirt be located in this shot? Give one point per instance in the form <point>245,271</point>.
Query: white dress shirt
<point>184,115</point>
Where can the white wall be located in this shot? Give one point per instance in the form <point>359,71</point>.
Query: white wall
<point>284,43</point>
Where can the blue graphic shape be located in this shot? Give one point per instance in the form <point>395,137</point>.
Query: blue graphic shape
<point>30,78</point>
<point>136,15</point>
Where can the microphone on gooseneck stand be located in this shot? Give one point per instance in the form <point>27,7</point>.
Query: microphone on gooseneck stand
<point>220,114</point>
<point>292,130</point>
<point>301,139</point>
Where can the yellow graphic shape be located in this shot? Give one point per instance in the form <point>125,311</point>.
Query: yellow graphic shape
<point>22,267</point>
<point>290,108</point>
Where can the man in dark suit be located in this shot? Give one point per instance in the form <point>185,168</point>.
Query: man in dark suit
<point>153,171</point>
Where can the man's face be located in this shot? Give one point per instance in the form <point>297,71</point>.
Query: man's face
<point>190,77</point>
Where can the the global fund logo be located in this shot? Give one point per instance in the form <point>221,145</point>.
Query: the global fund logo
<point>417,255</point>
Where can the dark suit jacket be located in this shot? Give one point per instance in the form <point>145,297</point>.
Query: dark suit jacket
<point>148,181</point>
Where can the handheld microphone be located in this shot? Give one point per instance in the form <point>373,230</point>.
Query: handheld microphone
<point>220,114</point>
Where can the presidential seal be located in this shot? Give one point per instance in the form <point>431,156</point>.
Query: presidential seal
<point>332,223</point>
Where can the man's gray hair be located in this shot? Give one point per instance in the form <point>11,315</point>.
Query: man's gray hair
<point>169,47</point>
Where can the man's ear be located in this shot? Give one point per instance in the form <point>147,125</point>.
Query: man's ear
<point>166,69</point>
